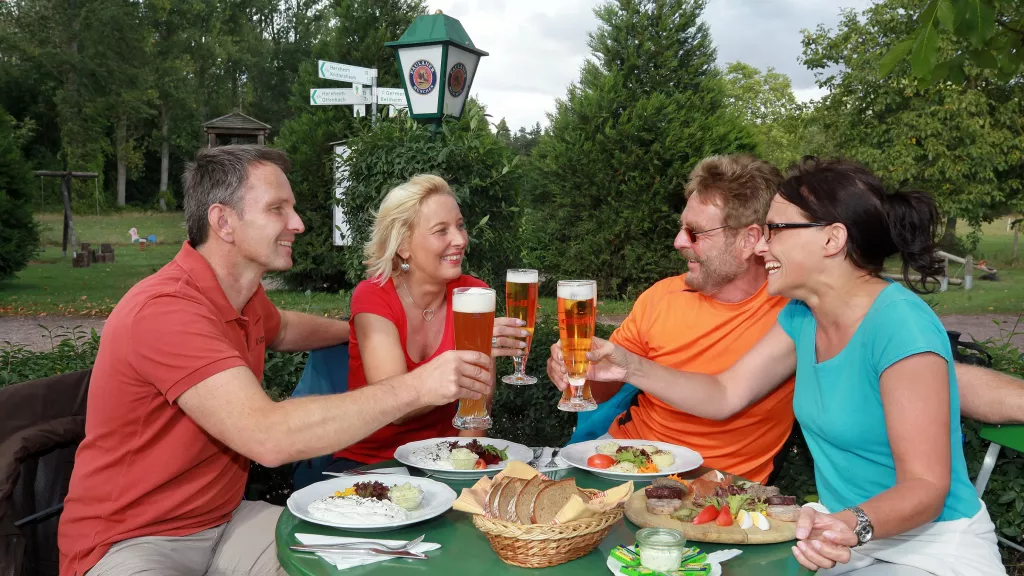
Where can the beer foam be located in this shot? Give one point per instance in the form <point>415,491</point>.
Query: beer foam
<point>521,276</point>
<point>473,301</point>
<point>577,291</point>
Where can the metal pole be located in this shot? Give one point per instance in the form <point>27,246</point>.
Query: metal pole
<point>97,196</point>
<point>41,184</point>
<point>373,95</point>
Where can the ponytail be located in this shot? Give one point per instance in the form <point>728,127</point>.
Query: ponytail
<point>913,220</point>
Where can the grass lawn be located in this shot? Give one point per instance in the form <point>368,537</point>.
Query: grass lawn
<point>1006,296</point>
<point>50,286</point>
<point>169,227</point>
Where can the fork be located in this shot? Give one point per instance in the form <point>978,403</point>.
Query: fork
<point>537,453</point>
<point>363,545</point>
<point>551,463</point>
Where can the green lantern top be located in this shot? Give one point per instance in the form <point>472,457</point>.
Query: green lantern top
<point>435,29</point>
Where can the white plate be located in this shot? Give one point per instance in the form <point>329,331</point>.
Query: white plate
<point>577,454</point>
<point>437,499</point>
<point>407,454</point>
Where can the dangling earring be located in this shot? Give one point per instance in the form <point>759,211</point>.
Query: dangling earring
<point>404,266</point>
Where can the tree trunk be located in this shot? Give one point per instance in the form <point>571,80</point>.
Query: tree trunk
<point>948,241</point>
<point>165,152</point>
<point>1016,238</point>
<point>122,166</point>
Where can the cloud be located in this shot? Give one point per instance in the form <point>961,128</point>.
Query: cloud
<point>538,46</point>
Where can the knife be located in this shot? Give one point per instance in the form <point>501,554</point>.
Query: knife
<point>360,551</point>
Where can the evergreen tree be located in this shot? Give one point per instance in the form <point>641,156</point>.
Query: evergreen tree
<point>19,235</point>
<point>610,173</point>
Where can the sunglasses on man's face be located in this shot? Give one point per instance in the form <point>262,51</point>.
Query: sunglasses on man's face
<point>692,234</point>
<point>770,229</point>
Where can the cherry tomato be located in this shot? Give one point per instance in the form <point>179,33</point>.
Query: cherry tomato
<point>600,461</point>
<point>480,464</point>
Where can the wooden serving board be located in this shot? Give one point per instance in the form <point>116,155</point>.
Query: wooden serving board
<point>778,531</point>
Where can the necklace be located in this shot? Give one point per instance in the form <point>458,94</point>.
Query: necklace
<point>428,313</point>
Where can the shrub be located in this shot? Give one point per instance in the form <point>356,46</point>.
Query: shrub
<point>481,170</point>
<point>529,414</point>
<point>19,235</point>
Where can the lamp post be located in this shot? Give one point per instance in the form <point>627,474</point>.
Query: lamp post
<point>437,62</point>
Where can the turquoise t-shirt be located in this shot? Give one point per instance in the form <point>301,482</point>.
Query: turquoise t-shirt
<point>838,402</point>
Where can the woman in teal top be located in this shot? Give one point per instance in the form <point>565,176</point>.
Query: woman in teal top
<point>876,392</point>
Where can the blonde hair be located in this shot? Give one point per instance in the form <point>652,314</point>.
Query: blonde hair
<point>393,223</point>
<point>741,185</point>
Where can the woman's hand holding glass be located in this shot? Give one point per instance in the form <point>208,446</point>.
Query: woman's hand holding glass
<point>506,340</point>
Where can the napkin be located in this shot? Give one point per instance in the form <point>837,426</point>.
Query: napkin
<point>398,470</point>
<point>350,559</point>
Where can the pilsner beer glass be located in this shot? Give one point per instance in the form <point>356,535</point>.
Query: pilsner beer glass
<point>473,310</point>
<point>521,303</point>
<point>577,315</point>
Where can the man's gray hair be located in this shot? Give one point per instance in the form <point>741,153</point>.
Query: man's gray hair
<point>217,176</point>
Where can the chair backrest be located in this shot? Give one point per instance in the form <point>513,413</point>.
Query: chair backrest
<point>595,423</point>
<point>41,423</point>
<point>326,372</point>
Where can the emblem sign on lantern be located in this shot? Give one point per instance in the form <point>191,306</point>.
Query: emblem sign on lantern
<point>422,77</point>
<point>457,80</point>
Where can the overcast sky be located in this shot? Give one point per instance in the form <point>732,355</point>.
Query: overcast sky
<point>537,46</point>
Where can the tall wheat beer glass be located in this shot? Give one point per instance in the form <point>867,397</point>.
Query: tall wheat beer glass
<point>473,309</point>
<point>521,303</point>
<point>577,315</point>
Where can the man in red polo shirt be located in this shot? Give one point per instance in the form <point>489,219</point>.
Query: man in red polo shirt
<point>176,410</point>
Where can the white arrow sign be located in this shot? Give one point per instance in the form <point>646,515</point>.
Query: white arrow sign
<point>335,96</point>
<point>393,96</point>
<point>346,72</point>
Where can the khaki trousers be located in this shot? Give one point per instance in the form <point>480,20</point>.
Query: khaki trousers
<point>242,546</point>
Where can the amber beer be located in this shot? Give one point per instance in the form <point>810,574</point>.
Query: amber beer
<point>473,310</point>
<point>577,315</point>
<point>521,303</point>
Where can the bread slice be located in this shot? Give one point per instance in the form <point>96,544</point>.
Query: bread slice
<point>525,498</point>
<point>492,497</point>
<point>508,494</point>
<point>551,499</point>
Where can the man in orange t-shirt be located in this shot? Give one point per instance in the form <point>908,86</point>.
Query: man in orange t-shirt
<point>176,411</point>
<point>707,319</point>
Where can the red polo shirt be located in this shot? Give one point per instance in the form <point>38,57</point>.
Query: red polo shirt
<point>145,468</point>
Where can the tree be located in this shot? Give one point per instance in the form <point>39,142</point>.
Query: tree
<point>356,29</point>
<point>19,235</point>
<point>989,35</point>
<point>607,188</point>
<point>765,100</point>
<point>961,142</point>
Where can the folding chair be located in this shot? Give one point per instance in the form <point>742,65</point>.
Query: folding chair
<point>999,436</point>
<point>326,372</point>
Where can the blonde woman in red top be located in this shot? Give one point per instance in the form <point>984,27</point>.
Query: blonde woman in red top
<point>400,315</point>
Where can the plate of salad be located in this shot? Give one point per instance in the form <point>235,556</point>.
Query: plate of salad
<point>631,459</point>
<point>459,458</point>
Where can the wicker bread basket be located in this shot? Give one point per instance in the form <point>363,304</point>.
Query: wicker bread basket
<point>543,545</point>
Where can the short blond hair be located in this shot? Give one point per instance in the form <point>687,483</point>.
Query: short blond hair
<point>394,221</point>
<point>742,185</point>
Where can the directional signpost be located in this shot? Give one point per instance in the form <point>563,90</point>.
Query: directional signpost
<point>358,96</point>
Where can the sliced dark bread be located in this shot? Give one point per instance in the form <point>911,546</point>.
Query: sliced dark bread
<point>508,494</point>
<point>525,498</point>
<point>551,499</point>
<point>492,497</point>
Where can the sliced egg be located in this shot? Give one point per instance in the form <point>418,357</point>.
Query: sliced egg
<point>744,519</point>
<point>759,520</point>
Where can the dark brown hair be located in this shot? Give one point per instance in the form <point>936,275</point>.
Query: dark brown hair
<point>878,224</point>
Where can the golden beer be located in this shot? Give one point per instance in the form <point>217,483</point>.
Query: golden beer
<point>521,303</point>
<point>577,316</point>
<point>473,312</point>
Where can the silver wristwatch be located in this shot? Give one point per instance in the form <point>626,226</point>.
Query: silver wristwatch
<point>864,529</point>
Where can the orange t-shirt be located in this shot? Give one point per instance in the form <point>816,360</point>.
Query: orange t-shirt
<point>145,468</point>
<point>686,330</point>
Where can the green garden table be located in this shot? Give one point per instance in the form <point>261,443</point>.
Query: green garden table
<point>465,550</point>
